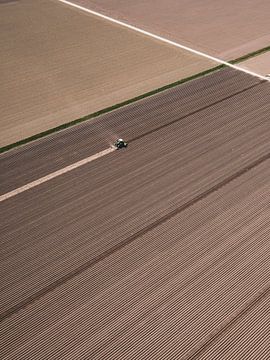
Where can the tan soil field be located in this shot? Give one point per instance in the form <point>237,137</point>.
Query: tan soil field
<point>226,29</point>
<point>259,64</point>
<point>59,64</point>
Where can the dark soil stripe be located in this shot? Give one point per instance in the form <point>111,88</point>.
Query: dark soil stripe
<point>29,300</point>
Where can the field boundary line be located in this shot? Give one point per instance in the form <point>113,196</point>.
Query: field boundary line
<point>123,243</point>
<point>106,110</point>
<point>161,38</point>
<point>55,174</point>
<point>107,151</point>
<point>250,55</point>
<point>97,113</point>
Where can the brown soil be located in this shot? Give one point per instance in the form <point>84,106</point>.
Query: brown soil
<point>59,64</point>
<point>226,29</point>
<point>159,251</point>
<point>259,64</point>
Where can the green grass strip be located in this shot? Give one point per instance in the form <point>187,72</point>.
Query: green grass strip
<point>124,103</point>
<point>106,110</point>
<point>250,55</point>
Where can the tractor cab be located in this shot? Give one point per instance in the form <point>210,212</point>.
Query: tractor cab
<point>120,143</point>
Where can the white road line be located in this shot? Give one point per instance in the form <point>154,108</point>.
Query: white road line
<point>107,151</point>
<point>160,38</point>
<point>55,174</point>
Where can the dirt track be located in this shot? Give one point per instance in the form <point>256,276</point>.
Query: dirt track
<point>59,64</point>
<point>151,252</point>
<point>228,30</point>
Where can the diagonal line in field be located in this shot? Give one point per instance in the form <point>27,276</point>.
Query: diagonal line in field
<point>170,42</point>
<point>109,150</point>
<point>55,174</point>
<point>117,247</point>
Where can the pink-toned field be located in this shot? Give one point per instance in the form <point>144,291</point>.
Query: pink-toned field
<point>259,64</point>
<point>159,251</point>
<point>226,29</point>
<point>59,64</point>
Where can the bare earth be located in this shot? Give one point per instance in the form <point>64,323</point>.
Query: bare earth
<point>166,258</point>
<point>59,64</point>
<point>259,64</point>
<point>226,29</point>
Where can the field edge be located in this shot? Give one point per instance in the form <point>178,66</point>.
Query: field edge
<point>129,101</point>
<point>108,109</point>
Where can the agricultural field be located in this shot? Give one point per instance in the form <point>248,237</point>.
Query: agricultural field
<point>259,64</point>
<point>59,64</point>
<point>159,250</point>
<point>227,30</point>
<point>128,254</point>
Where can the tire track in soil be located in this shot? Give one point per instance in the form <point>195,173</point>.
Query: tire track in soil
<point>196,111</point>
<point>62,280</point>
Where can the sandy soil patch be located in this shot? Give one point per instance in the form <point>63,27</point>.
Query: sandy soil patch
<point>59,64</point>
<point>259,64</point>
<point>226,29</point>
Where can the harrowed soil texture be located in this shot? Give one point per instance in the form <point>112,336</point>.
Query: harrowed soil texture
<point>59,64</point>
<point>157,251</point>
